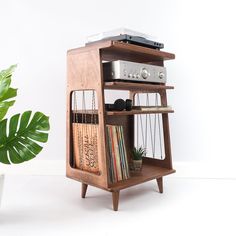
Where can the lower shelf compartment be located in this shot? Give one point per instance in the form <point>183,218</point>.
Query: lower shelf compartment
<point>147,173</point>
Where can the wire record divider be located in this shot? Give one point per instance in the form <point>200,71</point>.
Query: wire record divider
<point>85,130</point>
<point>148,127</point>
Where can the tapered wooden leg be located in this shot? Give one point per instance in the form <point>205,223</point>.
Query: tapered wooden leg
<point>115,199</point>
<point>84,190</point>
<point>160,184</point>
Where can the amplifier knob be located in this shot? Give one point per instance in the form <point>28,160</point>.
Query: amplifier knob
<point>161,75</point>
<point>144,73</point>
<point>130,75</point>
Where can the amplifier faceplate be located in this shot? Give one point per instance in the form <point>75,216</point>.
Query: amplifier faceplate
<point>132,71</point>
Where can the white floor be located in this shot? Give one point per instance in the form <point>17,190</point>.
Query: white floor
<point>51,205</point>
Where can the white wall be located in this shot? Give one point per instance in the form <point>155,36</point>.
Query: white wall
<point>37,34</point>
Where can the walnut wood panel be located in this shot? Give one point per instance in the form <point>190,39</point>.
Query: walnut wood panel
<point>114,50</point>
<point>124,47</point>
<point>149,172</point>
<point>140,87</point>
<point>133,112</point>
<point>85,72</point>
<point>89,113</point>
<point>167,162</point>
<point>131,52</point>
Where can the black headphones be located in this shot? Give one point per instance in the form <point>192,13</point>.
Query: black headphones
<point>119,105</point>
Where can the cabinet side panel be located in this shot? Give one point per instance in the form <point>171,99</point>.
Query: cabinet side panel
<point>84,73</point>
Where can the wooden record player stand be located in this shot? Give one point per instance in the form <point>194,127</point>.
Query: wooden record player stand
<point>84,72</point>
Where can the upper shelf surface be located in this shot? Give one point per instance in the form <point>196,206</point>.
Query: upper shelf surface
<point>112,50</point>
<point>136,86</point>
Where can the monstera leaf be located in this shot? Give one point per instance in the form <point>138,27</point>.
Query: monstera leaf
<point>19,138</point>
<point>6,92</point>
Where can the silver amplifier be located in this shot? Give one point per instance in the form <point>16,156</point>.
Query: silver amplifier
<point>131,71</point>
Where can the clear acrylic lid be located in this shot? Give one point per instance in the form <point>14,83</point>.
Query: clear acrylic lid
<point>116,32</point>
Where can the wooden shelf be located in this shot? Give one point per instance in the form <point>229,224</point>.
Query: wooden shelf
<point>149,172</point>
<point>115,50</point>
<point>126,113</point>
<point>119,50</point>
<point>133,112</point>
<point>142,87</point>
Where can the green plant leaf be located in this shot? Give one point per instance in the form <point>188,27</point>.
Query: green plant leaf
<point>138,153</point>
<point>11,93</point>
<point>4,85</point>
<point>6,92</point>
<point>19,138</point>
<point>5,79</point>
<point>8,72</point>
<point>4,106</point>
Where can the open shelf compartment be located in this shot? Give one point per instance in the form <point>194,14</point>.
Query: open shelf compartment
<point>148,172</point>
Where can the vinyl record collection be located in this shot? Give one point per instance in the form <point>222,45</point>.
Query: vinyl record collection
<point>118,164</point>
